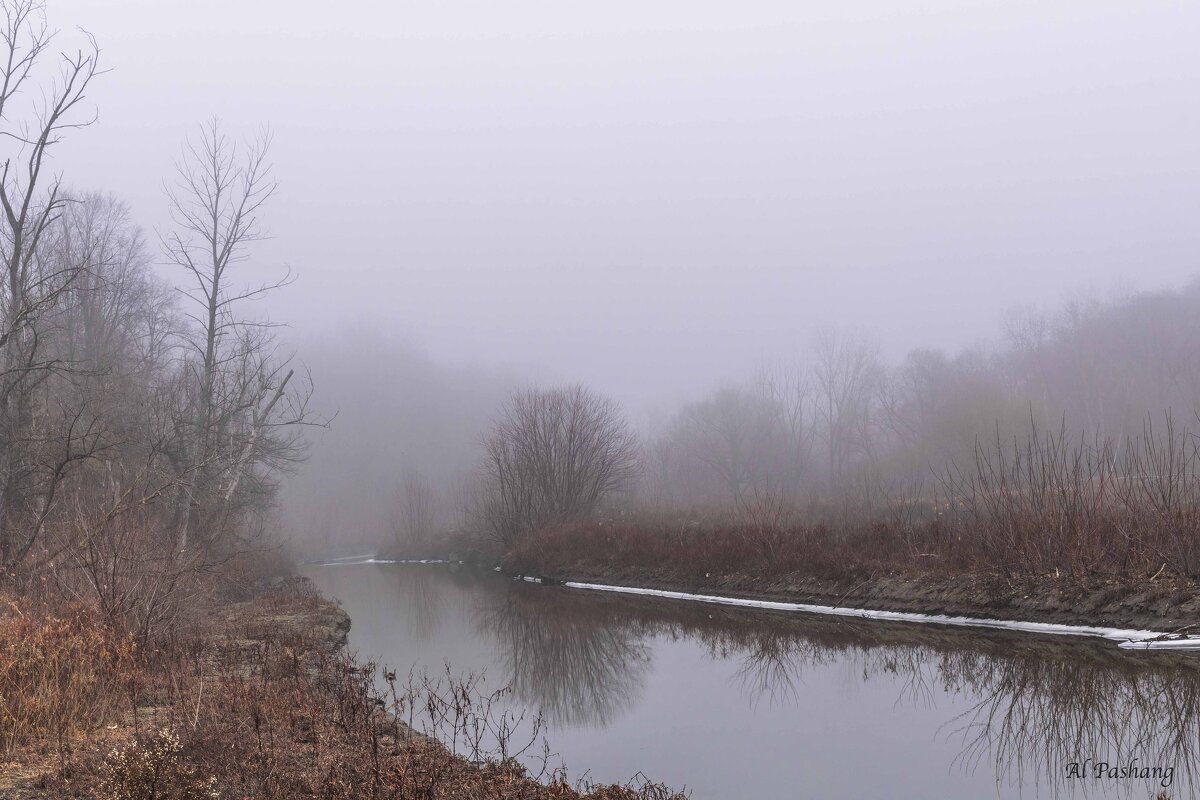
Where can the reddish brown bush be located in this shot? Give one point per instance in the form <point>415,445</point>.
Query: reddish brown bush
<point>1045,506</point>
<point>695,551</point>
<point>60,673</point>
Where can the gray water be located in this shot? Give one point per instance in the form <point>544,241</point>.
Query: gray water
<point>732,703</point>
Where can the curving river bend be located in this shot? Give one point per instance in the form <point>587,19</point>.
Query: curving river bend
<point>732,702</point>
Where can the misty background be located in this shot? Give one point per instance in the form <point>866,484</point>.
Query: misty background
<point>656,200</point>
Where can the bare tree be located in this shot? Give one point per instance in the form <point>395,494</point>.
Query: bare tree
<point>789,392</point>
<point>416,512</point>
<point>116,311</point>
<point>727,445</point>
<point>39,442</point>
<point>847,375</point>
<point>554,456</point>
<point>242,406</point>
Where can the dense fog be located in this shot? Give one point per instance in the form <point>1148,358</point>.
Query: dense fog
<point>836,423</point>
<point>815,255</point>
<point>645,197</point>
<point>883,311</point>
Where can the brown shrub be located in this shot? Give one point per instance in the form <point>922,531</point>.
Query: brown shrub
<point>317,725</point>
<point>699,550</point>
<point>59,674</point>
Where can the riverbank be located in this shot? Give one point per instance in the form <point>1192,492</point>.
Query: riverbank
<point>877,579</point>
<point>620,674</point>
<point>1106,604</point>
<point>260,699</point>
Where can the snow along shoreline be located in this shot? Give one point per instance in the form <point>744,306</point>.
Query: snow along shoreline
<point>1130,639</point>
<point>1124,637</point>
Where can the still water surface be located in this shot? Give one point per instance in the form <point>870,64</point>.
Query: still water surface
<point>733,703</point>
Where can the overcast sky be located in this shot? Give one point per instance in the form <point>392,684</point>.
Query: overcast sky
<point>654,196</point>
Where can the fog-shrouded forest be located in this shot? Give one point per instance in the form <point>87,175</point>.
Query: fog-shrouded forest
<point>836,432</point>
<point>152,367</point>
<point>855,304</point>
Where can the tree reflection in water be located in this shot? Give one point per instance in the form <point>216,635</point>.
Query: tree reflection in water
<point>574,667</point>
<point>1037,704</point>
<point>424,597</point>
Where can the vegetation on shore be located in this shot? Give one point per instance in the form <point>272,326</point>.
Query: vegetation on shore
<point>1051,528</point>
<point>146,423</point>
<point>252,698</point>
<point>716,561</point>
<point>1034,469</point>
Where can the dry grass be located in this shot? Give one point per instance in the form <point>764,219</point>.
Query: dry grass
<point>291,728</point>
<point>1050,505</point>
<point>693,551</point>
<point>258,703</point>
<point>61,674</point>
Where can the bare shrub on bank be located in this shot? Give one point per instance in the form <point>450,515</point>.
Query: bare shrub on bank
<point>554,456</point>
<point>1049,505</point>
<point>1078,506</point>
<point>284,725</point>
<point>154,770</point>
<point>60,674</point>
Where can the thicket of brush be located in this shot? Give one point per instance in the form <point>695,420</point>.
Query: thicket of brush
<point>1068,449</point>
<point>62,673</point>
<point>1048,504</point>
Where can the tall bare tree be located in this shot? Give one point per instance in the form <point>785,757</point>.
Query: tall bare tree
<point>416,509</point>
<point>242,404</point>
<point>847,375</point>
<point>725,444</point>
<point>39,443</point>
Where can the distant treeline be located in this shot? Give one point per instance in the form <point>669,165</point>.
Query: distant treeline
<point>1067,446</point>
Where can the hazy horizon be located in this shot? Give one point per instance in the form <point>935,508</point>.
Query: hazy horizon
<point>594,358</point>
<point>655,199</point>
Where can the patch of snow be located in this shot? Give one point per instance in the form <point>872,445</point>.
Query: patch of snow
<point>360,560</point>
<point>1126,638</point>
<point>342,560</point>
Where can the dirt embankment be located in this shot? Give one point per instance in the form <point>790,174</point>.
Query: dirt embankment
<point>318,623</point>
<point>1160,604</point>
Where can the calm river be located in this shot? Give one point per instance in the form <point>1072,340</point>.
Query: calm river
<point>731,703</point>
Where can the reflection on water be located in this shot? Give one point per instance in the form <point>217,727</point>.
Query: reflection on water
<point>722,698</point>
<point>422,592</point>
<point>571,667</point>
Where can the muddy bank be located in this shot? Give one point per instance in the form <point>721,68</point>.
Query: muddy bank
<point>1159,605</point>
<point>317,623</point>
